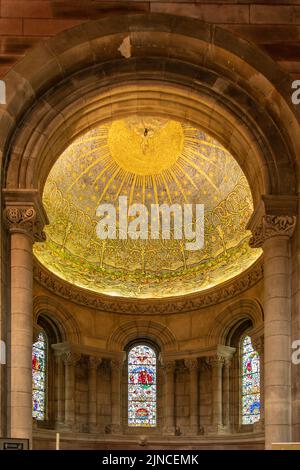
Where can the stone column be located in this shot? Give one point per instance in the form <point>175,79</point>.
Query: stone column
<point>59,418</point>
<point>226,394</point>
<point>70,360</point>
<point>93,363</point>
<point>273,232</point>
<point>25,221</point>
<point>116,377</point>
<point>169,398</point>
<point>216,363</point>
<point>192,365</point>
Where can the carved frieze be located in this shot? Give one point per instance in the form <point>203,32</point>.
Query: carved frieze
<point>204,299</point>
<point>271,226</point>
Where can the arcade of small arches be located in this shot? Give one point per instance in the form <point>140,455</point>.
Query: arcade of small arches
<point>149,386</point>
<point>193,353</point>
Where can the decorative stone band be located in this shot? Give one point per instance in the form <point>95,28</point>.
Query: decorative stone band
<point>104,303</point>
<point>24,219</point>
<point>272,226</point>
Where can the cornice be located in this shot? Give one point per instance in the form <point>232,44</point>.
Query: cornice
<point>174,305</point>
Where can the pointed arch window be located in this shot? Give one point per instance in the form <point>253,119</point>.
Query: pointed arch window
<point>250,382</point>
<point>39,377</point>
<point>142,392</point>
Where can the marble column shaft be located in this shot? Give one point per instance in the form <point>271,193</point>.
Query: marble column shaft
<point>169,397</point>
<point>116,375</point>
<point>226,382</point>
<point>192,365</point>
<point>59,389</point>
<point>25,227</point>
<point>70,360</point>
<point>93,363</point>
<point>273,234</point>
<point>216,369</point>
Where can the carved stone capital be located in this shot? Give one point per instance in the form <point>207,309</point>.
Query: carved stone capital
<point>228,362</point>
<point>168,367</point>
<point>24,213</point>
<point>272,226</point>
<point>216,361</point>
<point>116,364</point>
<point>94,362</point>
<point>24,219</point>
<point>70,358</point>
<point>191,364</point>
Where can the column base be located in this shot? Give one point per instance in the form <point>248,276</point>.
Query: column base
<point>115,429</point>
<point>193,431</point>
<point>259,425</point>
<point>217,429</point>
<point>93,428</point>
<point>169,430</point>
<point>68,426</point>
<point>59,425</point>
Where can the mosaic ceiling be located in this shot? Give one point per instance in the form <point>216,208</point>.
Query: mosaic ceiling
<point>149,160</point>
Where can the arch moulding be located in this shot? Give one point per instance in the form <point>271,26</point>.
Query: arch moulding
<point>188,70</point>
<point>64,321</point>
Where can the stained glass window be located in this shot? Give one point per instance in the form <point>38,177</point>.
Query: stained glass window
<point>39,358</point>
<point>250,382</point>
<point>142,386</point>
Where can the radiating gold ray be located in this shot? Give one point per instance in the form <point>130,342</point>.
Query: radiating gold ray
<point>204,142</point>
<point>167,188</point>
<point>85,154</point>
<point>88,168</point>
<point>144,190</point>
<point>132,189</point>
<point>192,164</point>
<point>154,188</point>
<point>185,173</point>
<point>118,170</point>
<point>190,152</point>
<point>178,184</point>
<point>121,185</point>
<point>109,165</point>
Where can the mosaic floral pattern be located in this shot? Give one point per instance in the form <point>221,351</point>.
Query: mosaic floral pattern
<point>39,357</point>
<point>250,383</point>
<point>142,386</point>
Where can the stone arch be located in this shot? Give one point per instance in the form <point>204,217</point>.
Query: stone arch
<point>242,310</point>
<point>58,316</point>
<point>142,329</point>
<point>188,69</point>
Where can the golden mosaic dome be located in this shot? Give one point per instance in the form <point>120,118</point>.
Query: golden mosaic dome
<point>151,161</point>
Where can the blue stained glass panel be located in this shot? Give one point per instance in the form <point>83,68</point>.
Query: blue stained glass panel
<point>250,383</point>
<point>142,386</point>
<point>39,352</point>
